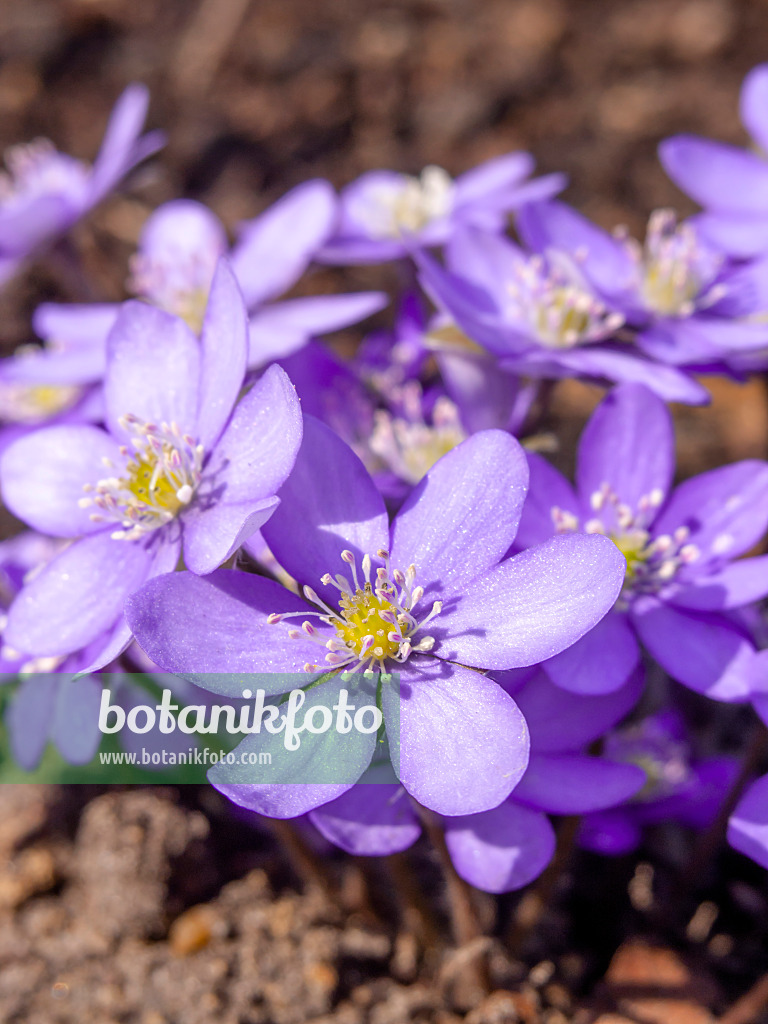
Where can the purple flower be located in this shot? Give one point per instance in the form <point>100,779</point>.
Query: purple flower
<point>385,215</point>
<point>45,192</point>
<point>679,787</point>
<point>729,182</point>
<point>179,248</point>
<point>748,825</point>
<point>433,598</point>
<point>182,466</point>
<point>539,316</point>
<point>686,303</point>
<point>398,427</point>
<point>508,846</point>
<point>46,705</point>
<point>681,582</point>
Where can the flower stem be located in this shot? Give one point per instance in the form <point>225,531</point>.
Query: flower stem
<point>301,858</point>
<point>465,923</point>
<point>535,901</point>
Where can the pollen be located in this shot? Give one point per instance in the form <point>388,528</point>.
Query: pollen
<point>409,445</point>
<point>361,618</point>
<point>558,308</point>
<point>634,547</point>
<point>676,272</point>
<point>144,483</point>
<point>653,561</point>
<point>410,204</point>
<point>374,622</point>
<point>159,478</point>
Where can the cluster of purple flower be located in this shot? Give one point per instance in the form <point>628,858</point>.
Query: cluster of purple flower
<point>215,493</point>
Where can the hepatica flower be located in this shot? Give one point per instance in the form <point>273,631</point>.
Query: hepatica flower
<point>385,215</point>
<point>682,583</point>
<point>182,467</point>
<point>432,598</point>
<point>678,787</point>
<point>44,192</point>
<point>686,304</point>
<point>539,315</point>
<point>179,248</point>
<point>508,846</point>
<point>731,183</point>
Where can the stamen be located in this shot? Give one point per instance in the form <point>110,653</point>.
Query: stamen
<point>160,479</point>
<point>372,625</point>
<point>676,272</point>
<point>408,205</point>
<point>652,562</point>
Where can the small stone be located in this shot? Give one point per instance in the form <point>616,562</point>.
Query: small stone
<point>321,975</point>
<point>192,930</point>
<point>498,1008</point>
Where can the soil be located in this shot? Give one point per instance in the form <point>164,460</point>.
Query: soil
<point>158,906</point>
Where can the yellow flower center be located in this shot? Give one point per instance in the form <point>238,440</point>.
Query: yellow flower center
<point>375,621</point>
<point>361,614</point>
<point>634,547</point>
<point>151,488</point>
<point>160,477</point>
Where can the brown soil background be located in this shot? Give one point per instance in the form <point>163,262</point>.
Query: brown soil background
<point>157,907</point>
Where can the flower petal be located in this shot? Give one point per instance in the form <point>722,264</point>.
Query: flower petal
<point>705,652</point>
<point>259,446</point>
<point>748,825</point>
<point>295,781</point>
<point>224,347</point>
<point>328,504</point>
<point>533,605</point>
<point>726,510</point>
<point>43,475</point>
<point>459,743</point>
<point>153,369</point>
<point>492,176</point>
<point>601,661</point>
<point>279,330</point>
<point>559,721</point>
<point>502,849</point>
<point>629,444</point>
<point>733,586</point>
<point>214,534</point>
<point>75,725</point>
<point>601,258</point>
<point>104,651</point>
<point>609,833</point>
<point>486,396</point>
<point>369,820</point>
<point>603,363</point>
<point>84,365</point>
<point>75,325</point>
<point>461,519</point>
<point>25,226</point>
<point>183,233</point>
<point>77,596</point>
<point>548,490</point>
<point>716,175</point>
<point>577,784</point>
<point>275,248</point>
<point>232,638</point>
<point>29,718</point>
<point>753,104</point>
<point>742,235</point>
<point>121,148</point>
